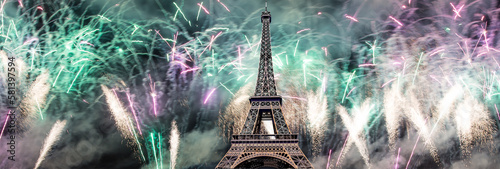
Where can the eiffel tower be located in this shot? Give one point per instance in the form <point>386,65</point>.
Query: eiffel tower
<point>265,140</point>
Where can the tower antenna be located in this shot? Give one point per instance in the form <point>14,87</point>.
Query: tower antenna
<point>266,5</point>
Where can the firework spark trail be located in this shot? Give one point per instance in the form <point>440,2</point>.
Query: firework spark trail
<point>351,18</point>
<point>51,139</point>
<point>118,112</point>
<point>57,77</point>
<point>69,88</point>
<point>355,127</point>
<point>160,148</point>
<point>329,155</point>
<point>154,149</point>
<point>204,9</point>
<point>412,151</point>
<point>392,107</point>
<point>182,13</point>
<point>4,124</point>
<point>137,140</point>
<point>224,5</point>
<point>303,30</point>
<point>153,93</point>
<point>347,85</point>
<point>208,97</point>
<point>457,12</point>
<point>131,104</point>
<point>416,69</point>
<point>174,144</point>
<point>397,159</point>
<point>342,150</point>
<point>395,20</point>
<point>497,112</point>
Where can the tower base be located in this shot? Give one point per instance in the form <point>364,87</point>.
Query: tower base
<point>264,150</point>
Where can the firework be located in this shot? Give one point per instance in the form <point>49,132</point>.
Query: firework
<point>317,117</point>
<point>355,126</point>
<point>174,144</point>
<point>52,138</point>
<point>118,112</point>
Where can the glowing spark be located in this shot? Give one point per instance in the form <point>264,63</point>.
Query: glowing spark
<point>319,13</point>
<point>226,88</point>
<point>153,93</point>
<point>102,17</point>
<point>223,5</point>
<point>486,40</point>
<point>388,82</point>
<point>179,9</point>
<point>190,70</point>
<point>136,140</point>
<point>351,18</point>
<point>204,9</point>
<point>346,86</point>
<point>86,43</point>
<point>75,78</point>
<point>418,65</point>
<point>433,53</point>
<point>51,139</point>
<point>210,94</point>
<point>395,20</point>
<point>350,92</point>
<point>304,69</point>
<point>133,112</point>
<point>497,112</point>
<point>174,144</point>
<point>340,154</point>
<point>39,110</point>
<point>366,65</point>
<point>412,151</point>
<point>199,10</point>
<point>397,159</point>
<point>329,155</point>
<point>303,30</point>
<point>159,150</point>
<point>39,8</point>
<point>20,3</point>
<point>57,76</point>
<point>4,124</point>
<point>295,51</point>
<point>135,29</point>
<point>457,12</point>
<point>154,149</point>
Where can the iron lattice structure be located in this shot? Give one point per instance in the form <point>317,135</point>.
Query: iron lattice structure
<point>265,140</point>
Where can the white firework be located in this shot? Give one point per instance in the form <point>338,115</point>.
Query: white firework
<point>54,135</point>
<point>174,144</point>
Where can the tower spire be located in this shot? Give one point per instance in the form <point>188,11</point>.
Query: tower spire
<point>266,5</point>
<point>265,79</point>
